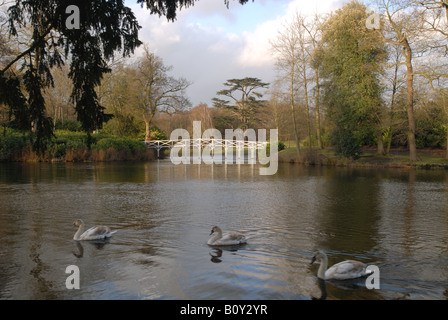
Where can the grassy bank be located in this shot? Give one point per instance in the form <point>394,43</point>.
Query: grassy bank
<point>69,146</point>
<point>427,159</point>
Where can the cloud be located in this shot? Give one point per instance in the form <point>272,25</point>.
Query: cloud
<point>209,43</point>
<point>257,49</point>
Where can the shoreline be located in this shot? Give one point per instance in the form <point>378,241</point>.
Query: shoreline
<point>428,159</point>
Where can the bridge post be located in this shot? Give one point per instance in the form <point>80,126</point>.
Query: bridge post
<point>238,149</point>
<point>252,148</point>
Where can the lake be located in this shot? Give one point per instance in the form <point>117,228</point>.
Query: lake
<point>396,220</point>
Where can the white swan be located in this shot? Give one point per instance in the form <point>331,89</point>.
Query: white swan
<point>94,233</point>
<point>348,269</point>
<point>228,239</point>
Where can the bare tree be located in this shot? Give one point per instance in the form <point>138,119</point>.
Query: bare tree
<point>394,81</point>
<point>159,92</point>
<point>287,47</point>
<point>435,22</point>
<point>313,28</point>
<point>304,61</point>
<point>202,113</point>
<point>401,26</point>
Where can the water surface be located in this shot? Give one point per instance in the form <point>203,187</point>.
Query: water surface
<point>394,219</point>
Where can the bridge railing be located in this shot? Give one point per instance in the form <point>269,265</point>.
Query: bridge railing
<point>202,143</point>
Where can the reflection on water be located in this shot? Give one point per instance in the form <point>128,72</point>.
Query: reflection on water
<point>394,219</point>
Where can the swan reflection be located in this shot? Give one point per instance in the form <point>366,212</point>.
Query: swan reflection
<point>323,290</point>
<point>216,252</point>
<point>79,249</point>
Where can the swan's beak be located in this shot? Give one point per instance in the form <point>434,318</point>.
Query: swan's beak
<point>211,232</point>
<point>312,260</point>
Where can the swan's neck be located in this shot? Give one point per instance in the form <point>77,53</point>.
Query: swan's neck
<point>78,233</point>
<point>322,268</point>
<point>216,236</point>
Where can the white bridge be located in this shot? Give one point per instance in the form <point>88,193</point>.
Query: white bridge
<point>212,144</point>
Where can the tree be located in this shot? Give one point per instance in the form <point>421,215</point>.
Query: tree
<point>169,8</point>
<point>57,97</point>
<point>157,91</point>
<point>435,21</point>
<point>401,25</point>
<point>314,30</point>
<point>352,61</point>
<point>287,47</point>
<point>303,65</point>
<point>245,102</point>
<point>107,26</point>
<point>202,113</point>
<point>394,119</point>
<point>118,93</point>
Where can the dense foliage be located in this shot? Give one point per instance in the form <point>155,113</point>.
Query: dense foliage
<point>352,61</point>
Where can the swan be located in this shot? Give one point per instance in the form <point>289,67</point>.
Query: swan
<point>94,233</point>
<point>348,269</point>
<point>231,238</point>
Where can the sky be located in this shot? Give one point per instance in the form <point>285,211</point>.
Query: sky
<point>209,43</point>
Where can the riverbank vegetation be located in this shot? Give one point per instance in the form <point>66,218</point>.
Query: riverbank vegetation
<point>72,146</point>
<point>427,158</point>
<point>348,89</point>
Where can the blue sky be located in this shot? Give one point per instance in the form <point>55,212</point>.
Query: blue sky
<point>239,18</point>
<point>209,43</point>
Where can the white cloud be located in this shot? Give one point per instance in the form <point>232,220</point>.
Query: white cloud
<point>257,49</point>
<point>209,43</point>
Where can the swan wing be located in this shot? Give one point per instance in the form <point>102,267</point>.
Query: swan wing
<point>228,239</point>
<point>97,232</point>
<point>234,238</point>
<point>344,270</point>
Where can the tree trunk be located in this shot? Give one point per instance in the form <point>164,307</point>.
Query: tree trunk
<point>147,120</point>
<point>296,134</point>
<point>390,130</point>
<point>446,155</point>
<point>305,88</point>
<point>307,108</point>
<point>291,96</point>
<point>380,145</point>
<point>319,138</point>
<point>388,140</point>
<point>410,103</point>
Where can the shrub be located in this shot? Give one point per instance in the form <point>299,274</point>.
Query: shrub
<point>70,125</point>
<point>346,143</point>
<point>132,146</point>
<point>72,146</point>
<point>11,146</point>
<point>281,146</point>
<point>157,134</point>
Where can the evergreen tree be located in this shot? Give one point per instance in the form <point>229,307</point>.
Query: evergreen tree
<point>245,102</point>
